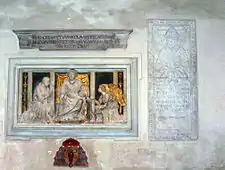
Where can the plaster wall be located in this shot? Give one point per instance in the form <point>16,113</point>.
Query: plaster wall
<point>208,152</point>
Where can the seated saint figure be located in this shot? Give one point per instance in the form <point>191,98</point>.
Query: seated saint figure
<point>41,107</point>
<point>109,103</point>
<point>72,99</point>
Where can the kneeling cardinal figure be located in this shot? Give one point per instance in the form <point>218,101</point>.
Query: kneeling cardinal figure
<point>71,154</point>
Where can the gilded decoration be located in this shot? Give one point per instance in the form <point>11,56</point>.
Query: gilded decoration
<point>25,92</point>
<point>84,78</point>
<point>74,97</point>
<point>116,93</point>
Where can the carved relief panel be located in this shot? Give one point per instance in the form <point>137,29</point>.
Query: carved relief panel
<point>172,80</point>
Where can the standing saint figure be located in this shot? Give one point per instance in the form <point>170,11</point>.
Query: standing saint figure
<point>41,107</point>
<point>172,59</point>
<point>72,99</point>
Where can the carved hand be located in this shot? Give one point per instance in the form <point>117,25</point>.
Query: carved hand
<point>44,99</point>
<point>102,106</point>
<point>97,102</point>
<point>63,99</point>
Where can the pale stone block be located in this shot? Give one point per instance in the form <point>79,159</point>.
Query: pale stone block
<point>1,128</point>
<point>103,150</point>
<point>3,150</point>
<point>160,160</point>
<point>132,155</point>
<point>134,168</point>
<point>172,80</point>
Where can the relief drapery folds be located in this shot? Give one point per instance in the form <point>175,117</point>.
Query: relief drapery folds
<point>70,101</point>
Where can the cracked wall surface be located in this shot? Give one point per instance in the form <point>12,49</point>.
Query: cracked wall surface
<point>208,152</point>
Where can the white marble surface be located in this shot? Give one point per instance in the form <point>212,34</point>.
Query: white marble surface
<point>172,78</point>
<point>206,153</point>
<point>48,60</point>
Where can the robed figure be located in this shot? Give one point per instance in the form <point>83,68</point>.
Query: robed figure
<point>109,106</point>
<point>172,59</point>
<point>41,108</point>
<point>73,96</point>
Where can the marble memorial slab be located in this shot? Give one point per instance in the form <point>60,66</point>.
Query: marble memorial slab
<point>172,80</point>
<point>59,77</point>
<point>72,39</point>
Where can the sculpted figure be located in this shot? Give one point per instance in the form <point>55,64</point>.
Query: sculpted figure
<point>107,106</point>
<point>41,108</point>
<point>172,57</point>
<point>72,99</point>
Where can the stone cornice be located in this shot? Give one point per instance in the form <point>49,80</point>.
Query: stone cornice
<point>72,39</point>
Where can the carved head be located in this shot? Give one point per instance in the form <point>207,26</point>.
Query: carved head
<point>72,74</point>
<point>102,88</point>
<point>172,36</point>
<point>46,81</point>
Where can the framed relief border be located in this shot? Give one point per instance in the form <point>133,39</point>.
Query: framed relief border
<point>51,60</point>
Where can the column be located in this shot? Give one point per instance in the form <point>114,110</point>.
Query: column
<point>20,94</point>
<point>52,88</point>
<point>92,85</point>
<point>92,94</point>
<point>125,94</point>
<point>29,88</point>
<point>25,91</point>
<point>115,78</point>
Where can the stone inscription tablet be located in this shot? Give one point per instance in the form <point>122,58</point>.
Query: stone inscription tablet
<point>172,80</point>
<point>72,39</point>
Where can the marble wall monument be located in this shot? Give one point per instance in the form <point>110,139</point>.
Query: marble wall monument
<point>67,93</point>
<point>172,79</point>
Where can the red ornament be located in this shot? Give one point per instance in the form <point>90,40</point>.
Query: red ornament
<point>70,143</point>
<point>71,153</point>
